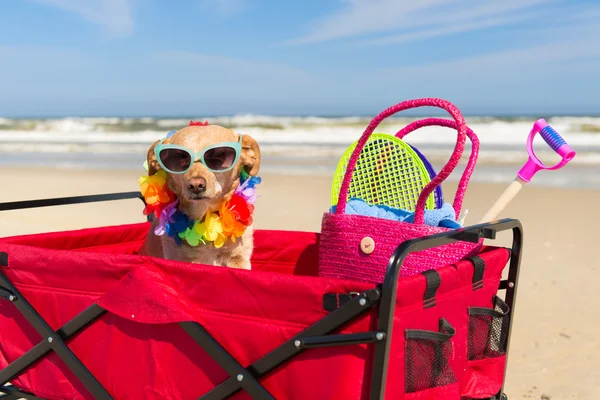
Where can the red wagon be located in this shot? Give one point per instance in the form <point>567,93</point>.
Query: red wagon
<point>83,316</point>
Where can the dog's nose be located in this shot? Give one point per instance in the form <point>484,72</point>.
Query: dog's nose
<point>197,185</point>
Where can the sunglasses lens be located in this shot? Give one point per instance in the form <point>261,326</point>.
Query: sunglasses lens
<point>220,158</point>
<point>175,160</point>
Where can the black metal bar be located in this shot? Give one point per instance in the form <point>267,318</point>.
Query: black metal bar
<point>510,297</point>
<point>334,320</point>
<point>55,341</point>
<point>341,340</point>
<point>13,393</point>
<point>67,332</point>
<point>5,294</point>
<point>388,295</point>
<point>244,379</point>
<point>59,201</point>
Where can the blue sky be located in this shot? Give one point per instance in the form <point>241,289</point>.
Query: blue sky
<point>325,57</point>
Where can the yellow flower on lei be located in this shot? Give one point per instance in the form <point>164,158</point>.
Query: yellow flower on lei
<point>153,188</point>
<point>211,229</point>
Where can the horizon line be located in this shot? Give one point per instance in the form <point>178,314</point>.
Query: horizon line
<point>300,115</point>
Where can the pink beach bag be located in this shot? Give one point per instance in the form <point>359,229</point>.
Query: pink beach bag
<point>359,247</point>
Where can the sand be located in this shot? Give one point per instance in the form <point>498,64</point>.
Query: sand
<point>555,347</point>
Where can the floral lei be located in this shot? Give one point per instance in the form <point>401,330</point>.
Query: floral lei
<point>230,221</point>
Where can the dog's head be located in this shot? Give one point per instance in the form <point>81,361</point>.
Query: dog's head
<point>200,189</point>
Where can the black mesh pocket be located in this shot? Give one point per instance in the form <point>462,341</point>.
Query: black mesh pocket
<point>426,358</point>
<point>488,330</point>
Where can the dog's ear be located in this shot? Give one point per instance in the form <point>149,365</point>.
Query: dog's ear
<point>153,165</point>
<point>250,157</point>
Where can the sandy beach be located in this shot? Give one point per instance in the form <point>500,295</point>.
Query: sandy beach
<point>554,351</point>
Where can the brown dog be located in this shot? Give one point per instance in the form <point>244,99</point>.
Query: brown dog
<point>200,190</point>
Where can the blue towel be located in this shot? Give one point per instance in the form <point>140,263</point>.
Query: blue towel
<point>441,217</point>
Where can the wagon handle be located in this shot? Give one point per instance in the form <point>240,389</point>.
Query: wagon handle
<point>59,201</point>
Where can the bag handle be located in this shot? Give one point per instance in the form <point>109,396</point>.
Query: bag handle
<point>466,176</point>
<point>437,180</point>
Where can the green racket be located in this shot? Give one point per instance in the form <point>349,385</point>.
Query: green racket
<point>388,172</point>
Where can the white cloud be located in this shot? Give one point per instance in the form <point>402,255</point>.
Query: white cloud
<point>367,17</point>
<point>223,7</point>
<point>214,71</point>
<point>114,15</point>
<point>544,78</point>
<point>229,6</point>
<point>534,59</point>
<point>449,29</point>
<point>165,82</point>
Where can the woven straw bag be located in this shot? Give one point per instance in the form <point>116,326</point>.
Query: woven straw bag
<point>359,247</point>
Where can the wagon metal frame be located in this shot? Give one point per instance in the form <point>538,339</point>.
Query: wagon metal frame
<point>320,334</point>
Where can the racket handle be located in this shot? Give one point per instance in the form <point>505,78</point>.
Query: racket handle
<point>463,216</point>
<point>509,193</point>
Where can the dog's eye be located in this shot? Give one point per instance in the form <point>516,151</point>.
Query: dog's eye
<point>220,157</point>
<point>175,159</point>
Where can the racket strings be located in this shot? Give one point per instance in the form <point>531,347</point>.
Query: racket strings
<point>387,172</point>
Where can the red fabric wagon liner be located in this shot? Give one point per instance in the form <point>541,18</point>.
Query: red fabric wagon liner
<point>137,348</point>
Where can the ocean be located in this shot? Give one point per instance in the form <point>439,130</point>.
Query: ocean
<point>303,144</point>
